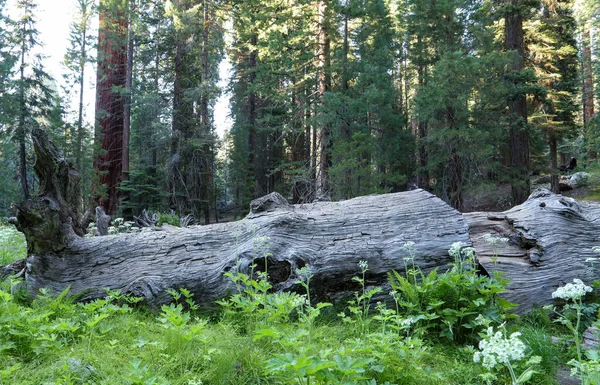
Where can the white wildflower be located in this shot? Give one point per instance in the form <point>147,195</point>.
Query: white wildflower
<point>408,245</point>
<point>456,248</point>
<point>261,241</point>
<point>591,260</point>
<point>393,293</point>
<point>364,266</point>
<point>496,349</point>
<point>493,240</point>
<point>468,252</point>
<point>299,301</point>
<point>596,249</point>
<point>572,291</point>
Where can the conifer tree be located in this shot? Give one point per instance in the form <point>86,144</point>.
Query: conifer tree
<point>33,97</point>
<point>198,49</point>
<point>554,51</point>
<point>150,110</point>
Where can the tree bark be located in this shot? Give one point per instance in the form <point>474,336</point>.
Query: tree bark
<point>588,92</point>
<point>128,90</point>
<point>110,104</point>
<point>329,238</point>
<point>517,107</point>
<point>554,177</point>
<point>324,84</point>
<point>551,237</point>
<point>53,219</point>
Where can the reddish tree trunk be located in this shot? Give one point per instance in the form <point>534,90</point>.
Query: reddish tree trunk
<point>110,103</point>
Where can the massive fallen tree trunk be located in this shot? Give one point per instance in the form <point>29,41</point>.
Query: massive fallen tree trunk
<point>550,237</point>
<point>329,238</point>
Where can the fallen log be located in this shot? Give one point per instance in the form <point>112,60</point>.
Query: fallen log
<point>549,239</point>
<point>329,238</point>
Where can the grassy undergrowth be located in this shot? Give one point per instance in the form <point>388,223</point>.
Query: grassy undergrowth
<point>12,245</point>
<point>428,333</point>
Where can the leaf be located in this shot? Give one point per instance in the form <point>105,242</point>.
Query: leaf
<point>525,376</point>
<point>266,333</point>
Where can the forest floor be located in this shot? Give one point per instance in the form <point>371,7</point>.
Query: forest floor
<point>591,190</point>
<point>496,198</point>
<point>263,338</point>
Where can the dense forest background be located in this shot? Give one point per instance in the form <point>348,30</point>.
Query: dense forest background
<point>329,98</point>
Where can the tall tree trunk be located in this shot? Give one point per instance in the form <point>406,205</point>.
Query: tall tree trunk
<point>128,98</point>
<point>588,93</point>
<point>156,112</point>
<point>110,104</point>
<point>423,174</point>
<point>128,91</point>
<point>83,58</point>
<point>205,124</point>
<point>554,179</point>
<point>455,167</point>
<point>324,84</point>
<point>176,123</point>
<point>517,108</point>
<point>21,131</point>
<point>252,109</point>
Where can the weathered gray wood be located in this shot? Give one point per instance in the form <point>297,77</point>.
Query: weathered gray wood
<point>328,237</point>
<point>53,218</point>
<point>102,222</point>
<point>551,237</point>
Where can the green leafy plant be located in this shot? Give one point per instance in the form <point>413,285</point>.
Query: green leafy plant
<point>449,303</point>
<point>572,294</point>
<point>360,306</point>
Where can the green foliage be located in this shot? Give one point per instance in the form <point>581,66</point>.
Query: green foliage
<point>452,304</point>
<point>170,219</point>
<point>12,245</point>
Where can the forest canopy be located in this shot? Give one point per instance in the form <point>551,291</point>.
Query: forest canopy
<point>328,98</point>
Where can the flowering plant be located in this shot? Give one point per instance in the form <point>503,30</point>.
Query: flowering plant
<point>495,350</point>
<point>573,294</point>
<point>572,291</point>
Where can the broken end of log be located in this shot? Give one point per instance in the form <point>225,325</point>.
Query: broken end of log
<point>272,202</point>
<point>44,228</point>
<point>52,219</point>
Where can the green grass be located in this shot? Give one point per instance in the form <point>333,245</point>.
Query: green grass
<point>12,245</point>
<point>592,188</point>
<point>257,338</point>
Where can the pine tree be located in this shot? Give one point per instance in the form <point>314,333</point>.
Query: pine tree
<point>9,188</point>
<point>77,61</point>
<point>33,97</point>
<point>150,109</point>
<point>554,52</point>
<point>198,49</point>
<point>515,12</point>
